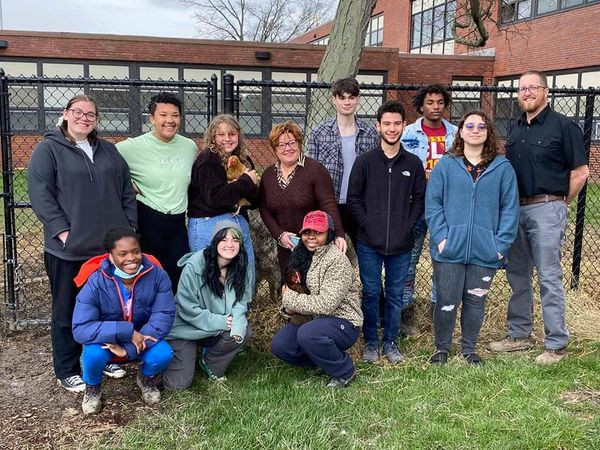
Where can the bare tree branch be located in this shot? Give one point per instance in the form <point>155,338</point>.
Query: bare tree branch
<point>259,20</point>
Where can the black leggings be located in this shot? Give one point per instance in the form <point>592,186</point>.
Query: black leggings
<point>165,237</point>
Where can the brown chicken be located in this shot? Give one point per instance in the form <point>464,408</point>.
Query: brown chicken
<point>293,280</point>
<point>235,169</point>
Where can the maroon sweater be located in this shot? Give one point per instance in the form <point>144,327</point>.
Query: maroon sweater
<point>311,188</point>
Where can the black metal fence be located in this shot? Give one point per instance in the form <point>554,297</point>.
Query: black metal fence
<point>29,106</point>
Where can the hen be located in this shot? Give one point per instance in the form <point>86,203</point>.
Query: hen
<point>235,169</point>
<point>293,280</point>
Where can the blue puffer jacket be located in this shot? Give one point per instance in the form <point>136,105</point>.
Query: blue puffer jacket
<point>478,219</point>
<point>98,317</point>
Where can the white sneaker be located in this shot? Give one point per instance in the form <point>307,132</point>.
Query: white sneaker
<point>114,371</point>
<point>72,384</point>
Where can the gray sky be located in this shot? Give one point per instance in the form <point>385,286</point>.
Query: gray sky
<point>138,17</point>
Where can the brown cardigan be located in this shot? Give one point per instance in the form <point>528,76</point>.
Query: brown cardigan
<point>311,188</point>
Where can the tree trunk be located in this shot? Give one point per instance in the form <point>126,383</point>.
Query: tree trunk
<point>341,56</point>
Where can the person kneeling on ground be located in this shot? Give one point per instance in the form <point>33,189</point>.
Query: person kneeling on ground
<point>212,304</point>
<point>124,312</point>
<point>333,302</point>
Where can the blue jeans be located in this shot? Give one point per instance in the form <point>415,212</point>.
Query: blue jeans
<point>370,263</point>
<point>408,297</point>
<point>200,232</point>
<point>94,359</point>
<point>321,342</point>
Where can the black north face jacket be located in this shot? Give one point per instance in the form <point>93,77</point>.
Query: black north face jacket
<point>386,197</point>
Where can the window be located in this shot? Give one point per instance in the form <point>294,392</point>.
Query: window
<point>516,10</point>
<point>462,101</point>
<point>432,24</point>
<point>321,41</point>
<point>374,36</point>
<point>507,107</point>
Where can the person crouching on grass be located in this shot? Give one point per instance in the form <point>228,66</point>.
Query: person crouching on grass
<point>214,291</point>
<point>333,303</point>
<point>123,312</point>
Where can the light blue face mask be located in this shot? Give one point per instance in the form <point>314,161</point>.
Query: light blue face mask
<point>126,276</point>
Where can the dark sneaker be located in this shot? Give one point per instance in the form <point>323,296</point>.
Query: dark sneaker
<point>438,358</point>
<point>408,325</point>
<point>149,388</point>
<point>551,357</point>
<point>473,358</point>
<point>92,400</point>
<point>114,371</point>
<point>391,352</point>
<point>209,373</point>
<point>510,344</point>
<point>72,384</point>
<point>370,354</point>
<point>341,382</point>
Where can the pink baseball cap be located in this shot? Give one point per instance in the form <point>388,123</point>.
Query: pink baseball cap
<point>318,221</point>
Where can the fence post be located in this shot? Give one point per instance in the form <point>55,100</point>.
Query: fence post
<point>580,216</point>
<point>214,101</point>
<point>10,248</point>
<point>228,93</point>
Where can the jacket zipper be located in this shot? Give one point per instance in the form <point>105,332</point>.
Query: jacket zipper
<point>130,318</point>
<point>389,201</point>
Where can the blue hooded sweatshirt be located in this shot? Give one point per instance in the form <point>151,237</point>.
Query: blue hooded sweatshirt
<point>478,219</point>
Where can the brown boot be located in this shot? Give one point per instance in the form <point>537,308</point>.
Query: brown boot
<point>408,326</point>
<point>551,357</point>
<point>510,344</point>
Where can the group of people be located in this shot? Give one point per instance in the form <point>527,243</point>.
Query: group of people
<point>186,297</point>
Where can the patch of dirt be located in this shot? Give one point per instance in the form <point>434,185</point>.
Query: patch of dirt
<point>581,396</point>
<point>36,413</point>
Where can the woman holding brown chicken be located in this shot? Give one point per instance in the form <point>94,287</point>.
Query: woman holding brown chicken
<point>223,184</point>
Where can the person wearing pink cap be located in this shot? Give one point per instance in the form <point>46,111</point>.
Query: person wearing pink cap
<point>333,304</point>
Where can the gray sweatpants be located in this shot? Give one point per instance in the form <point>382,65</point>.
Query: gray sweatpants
<point>221,350</point>
<point>541,233</point>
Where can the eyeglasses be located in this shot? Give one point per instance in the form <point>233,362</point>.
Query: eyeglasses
<point>290,144</point>
<point>471,126</point>
<point>78,114</point>
<point>533,88</point>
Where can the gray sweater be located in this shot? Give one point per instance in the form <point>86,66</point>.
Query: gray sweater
<point>69,192</point>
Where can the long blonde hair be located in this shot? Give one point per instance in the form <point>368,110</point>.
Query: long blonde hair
<point>211,133</point>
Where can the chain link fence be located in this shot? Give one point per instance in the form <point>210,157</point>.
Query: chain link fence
<point>32,105</point>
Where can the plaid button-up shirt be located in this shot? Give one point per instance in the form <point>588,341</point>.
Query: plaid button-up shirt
<point>325,145</point>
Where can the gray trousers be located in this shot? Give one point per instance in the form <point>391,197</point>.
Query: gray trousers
<point>219,352</point>
<point>541,233</point>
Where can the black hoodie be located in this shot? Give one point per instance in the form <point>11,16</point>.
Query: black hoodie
<point>386,197</point>
<point>69,192</point>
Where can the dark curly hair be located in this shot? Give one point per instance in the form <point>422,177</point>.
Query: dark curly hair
<point>490,147</point>
<point>164,97</point>
<point>419,99</point>
<point>301,258</point>
<point>236,272</point>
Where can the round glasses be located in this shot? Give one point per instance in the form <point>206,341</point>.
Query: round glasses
<point>79,114</point>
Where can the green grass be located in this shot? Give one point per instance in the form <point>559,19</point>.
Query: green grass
<point>511,403</point>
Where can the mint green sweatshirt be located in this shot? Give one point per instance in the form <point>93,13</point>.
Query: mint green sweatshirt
<point>161,170</point>
<point>200,313</point>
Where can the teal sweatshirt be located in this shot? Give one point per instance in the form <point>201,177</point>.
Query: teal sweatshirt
<point>200,313</point>
<point>478,219</point>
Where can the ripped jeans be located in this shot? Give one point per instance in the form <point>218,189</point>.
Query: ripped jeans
<point>460,283</point>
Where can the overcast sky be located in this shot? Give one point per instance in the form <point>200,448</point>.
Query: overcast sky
<point>140,17</point>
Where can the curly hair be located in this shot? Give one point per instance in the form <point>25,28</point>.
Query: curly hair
<point>210,136</point>
<point>419,100</point>
<point>164,97</point>
<point>282,128</point>
<point>236,271</point>
<point>116,234</point>
<point>490,147</point>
